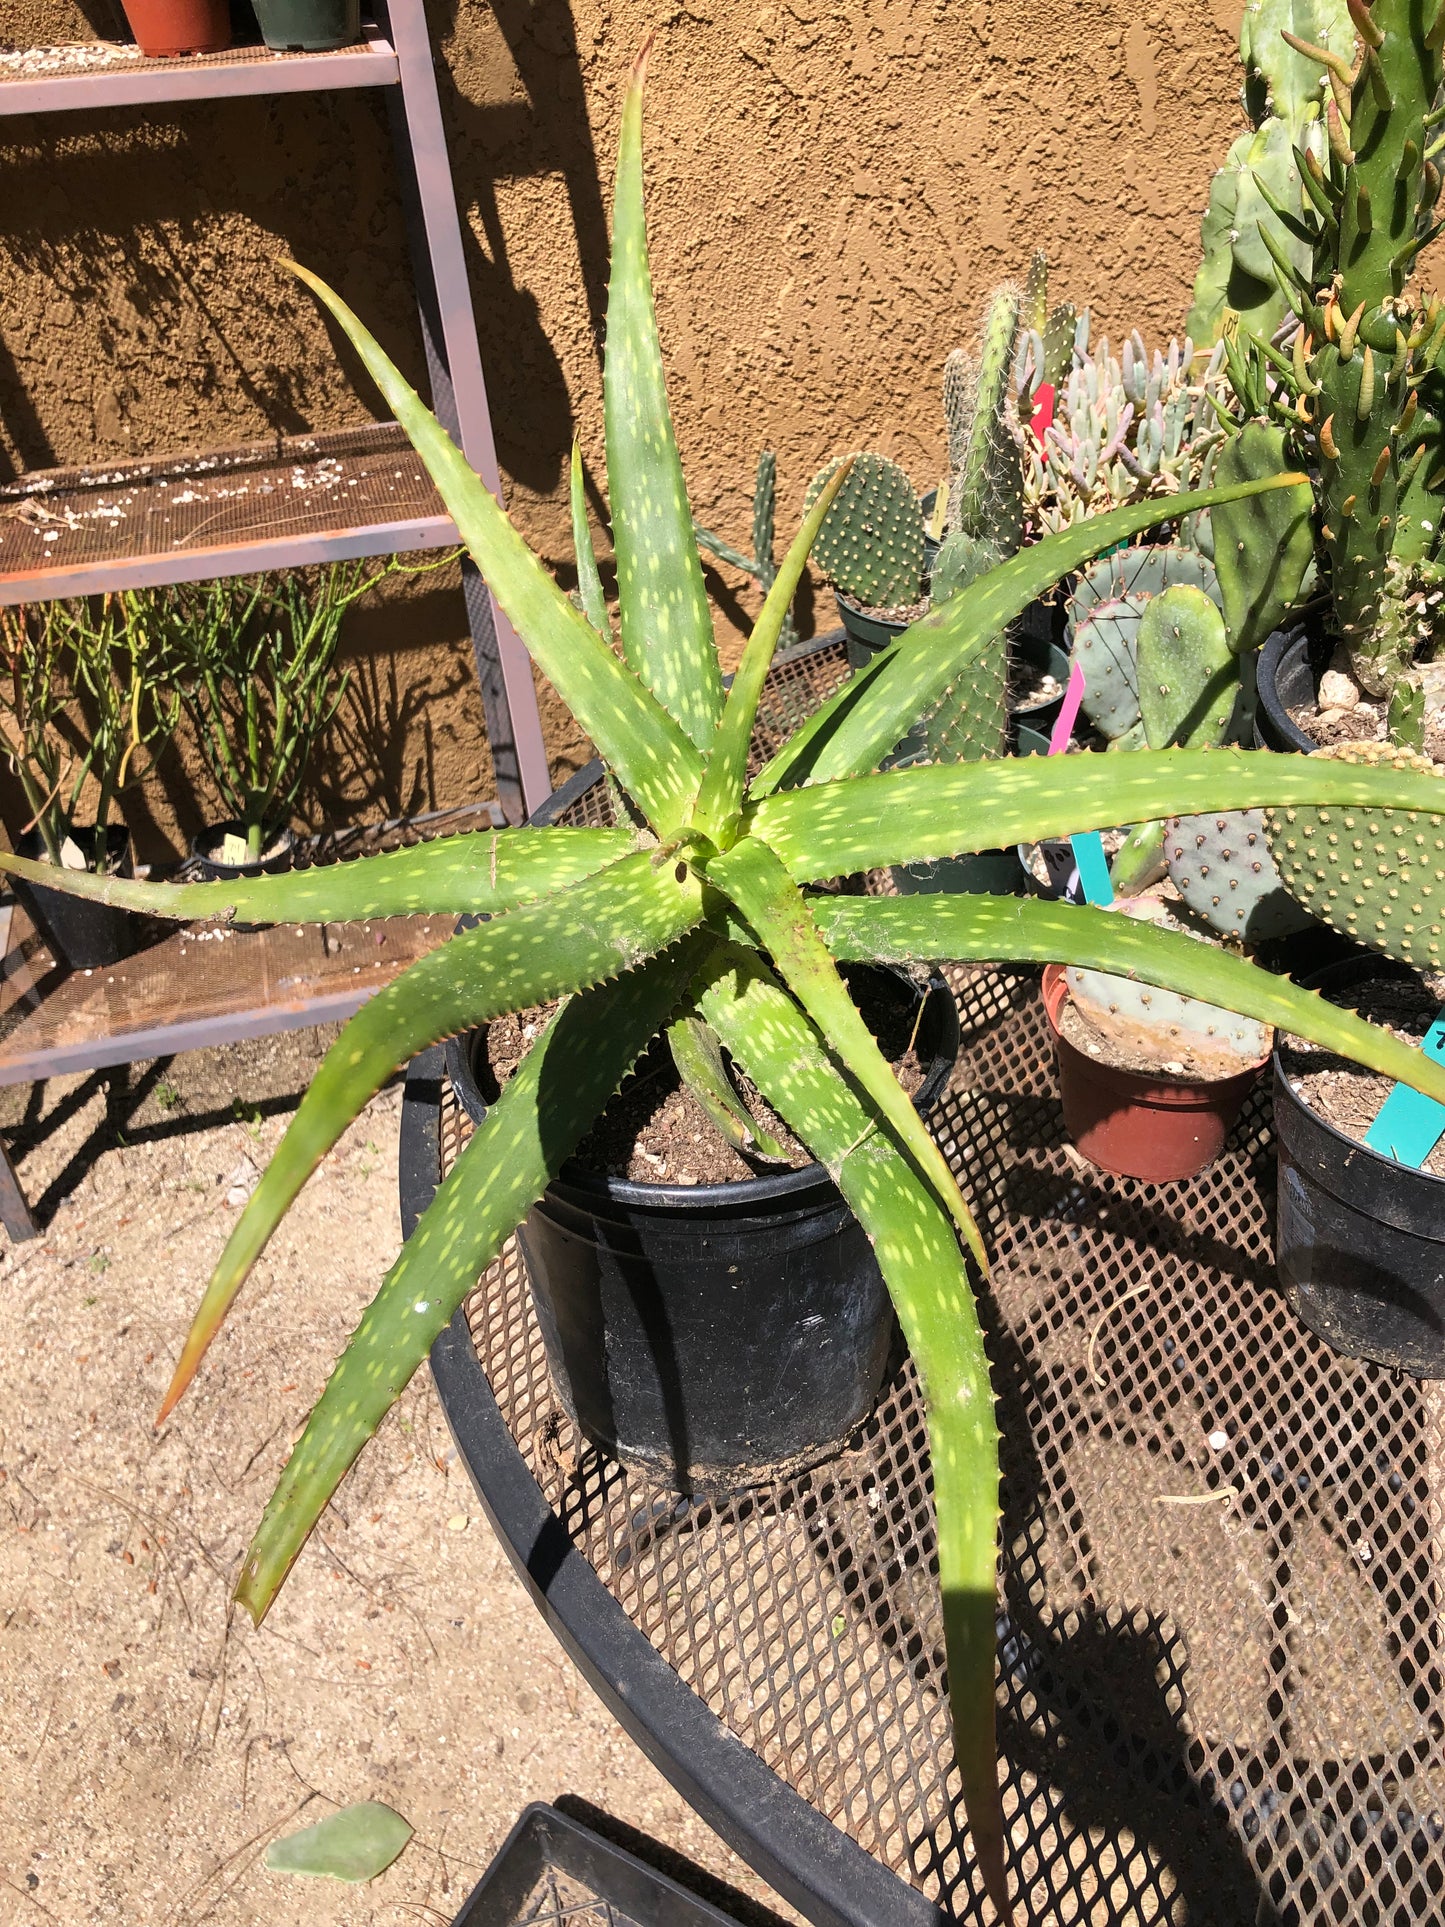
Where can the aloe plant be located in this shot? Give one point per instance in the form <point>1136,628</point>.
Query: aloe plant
<point>693,916</point>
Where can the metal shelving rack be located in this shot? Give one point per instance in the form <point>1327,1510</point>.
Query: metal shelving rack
<point>284,504</point>
<point>304,499</point>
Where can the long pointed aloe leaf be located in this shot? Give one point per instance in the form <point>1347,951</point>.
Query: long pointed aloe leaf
<point>852,733</point>
<point>924,1270</point>
<point>721,795</point>
<point>541,1116</point>
<point>662,601</point>
<point>756,881</point>
<point>908,815</point>
<point>591,930</point>
<point>589,582</point>
<point>482,872</point>
<point>1028,930</point>
<point>650,755</point>
<point>698,1056</point>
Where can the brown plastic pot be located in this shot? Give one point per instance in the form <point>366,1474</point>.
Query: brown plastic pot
<point>1154,1128</point>
<point>164,28</point>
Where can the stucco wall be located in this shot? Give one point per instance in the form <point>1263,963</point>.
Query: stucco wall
<point>832,192</point>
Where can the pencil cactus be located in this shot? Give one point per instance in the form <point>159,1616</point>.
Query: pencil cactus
<point>762,564</point>
<point>701,907</point>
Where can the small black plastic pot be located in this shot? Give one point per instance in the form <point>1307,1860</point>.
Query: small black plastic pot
<point>1290,666</point>
<point>717,1335</point>
<point>1038,640</point>
<point>1360,1239</point>
<point>78,932</point>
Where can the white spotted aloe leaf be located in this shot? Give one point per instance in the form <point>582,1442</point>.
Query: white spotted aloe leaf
<point>690,921</point>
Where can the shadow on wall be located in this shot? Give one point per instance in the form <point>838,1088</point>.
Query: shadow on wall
<point>547,134</point>
<point>145,315</point>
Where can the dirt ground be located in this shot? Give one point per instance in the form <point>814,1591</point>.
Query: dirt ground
<point>150,1745</point>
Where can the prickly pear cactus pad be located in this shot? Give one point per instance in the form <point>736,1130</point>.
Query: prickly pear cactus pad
<point>1223,870</point>
<point>1156,1028</point>
<point>1105,611</point>
<point>871,543</point>
<point>1376,875</point>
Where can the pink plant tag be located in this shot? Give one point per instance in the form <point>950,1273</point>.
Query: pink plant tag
<point>1069,713</point>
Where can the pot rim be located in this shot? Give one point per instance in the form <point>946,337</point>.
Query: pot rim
<point>1275,648</point>
<point>735,1193</point>
<point>1352,969</point>
<point>1160,1093</point>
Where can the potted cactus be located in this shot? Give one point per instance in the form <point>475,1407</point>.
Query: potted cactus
<point>706,903</point>
<point>165,28</point>
<point>83,712</point>
<point>1352,387</point>
<point>255,664</point>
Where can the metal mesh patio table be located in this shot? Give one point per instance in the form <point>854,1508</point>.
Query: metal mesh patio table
<point>1219,1679</point>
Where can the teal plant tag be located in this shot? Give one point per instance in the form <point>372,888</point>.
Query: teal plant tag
<point>1410,1124</point>
<point>1088,848</point>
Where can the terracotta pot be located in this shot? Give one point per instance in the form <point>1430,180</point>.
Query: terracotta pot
<point>1137,1126</point>
<point>166,27</point>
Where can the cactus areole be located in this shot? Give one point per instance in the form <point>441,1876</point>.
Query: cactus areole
<point>697,906</point>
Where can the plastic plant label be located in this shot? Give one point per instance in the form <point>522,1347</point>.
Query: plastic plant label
<point>356,1843</point>
<point>1088,845</point>
<point>233,848</point>
<point>1042,418</point>
<point>1410,1125</point>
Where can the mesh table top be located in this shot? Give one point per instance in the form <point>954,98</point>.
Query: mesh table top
<point>1220,1690</point>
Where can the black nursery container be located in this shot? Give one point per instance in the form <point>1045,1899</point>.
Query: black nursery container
<point>1360,1239</point>
<point>80,933</point>
<point>717,1335</point>
<point>1290,666</point>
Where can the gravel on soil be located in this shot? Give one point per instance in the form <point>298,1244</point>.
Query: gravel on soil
<point>1345,1094</point>
<point>152,1742</point>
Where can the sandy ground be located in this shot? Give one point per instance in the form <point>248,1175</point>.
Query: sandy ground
<point>151,1745</point>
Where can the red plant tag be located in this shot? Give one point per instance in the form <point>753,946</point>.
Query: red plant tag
<point>1042,419</point>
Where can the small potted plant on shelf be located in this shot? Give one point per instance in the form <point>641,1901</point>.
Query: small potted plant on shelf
<point>166,28</point>
<point>702,905</point>
<point>83,714</point>
<point>255,664</point>
<point>308,26</point>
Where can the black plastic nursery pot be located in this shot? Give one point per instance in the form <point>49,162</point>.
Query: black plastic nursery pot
<point>80,933</point>
<point>717,1335</point>
<point>1290,666</point>
<point>308,26</point>
<point>1360,1239</point>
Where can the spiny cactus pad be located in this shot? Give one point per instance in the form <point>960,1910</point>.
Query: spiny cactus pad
<point>1159,1025</point>
<point>871,543</point>
<point>1376,875</point>
<point>1222,868</point>
<point>1105,611</point>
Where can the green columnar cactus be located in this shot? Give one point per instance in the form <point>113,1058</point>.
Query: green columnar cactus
<point>761,565</point>
<point>985,485</point>
<point>1247,227</point>
<point>702,907</point>
<point>1361,389</point>
<point>870,546</point>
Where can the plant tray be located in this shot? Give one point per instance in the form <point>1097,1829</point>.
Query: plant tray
<point>551,1871</point>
